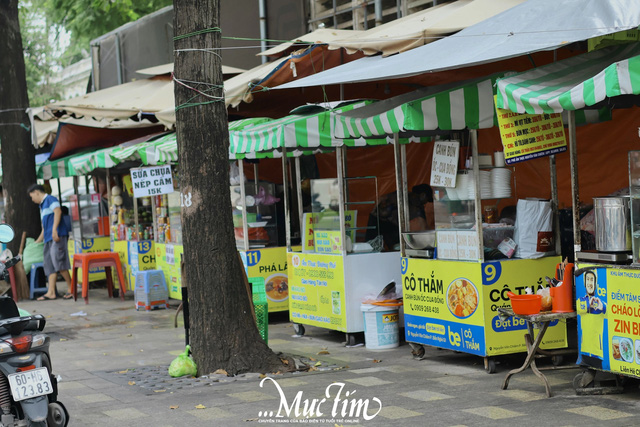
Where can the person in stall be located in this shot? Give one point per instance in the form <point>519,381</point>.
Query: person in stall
<point>421,216</point>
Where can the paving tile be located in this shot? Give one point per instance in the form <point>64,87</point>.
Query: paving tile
<point>494,412</point>
<point>210,414</point>
<point>400,369</point>
<point>426,395</point>
<point>368,381</point>
<point>599,413</point>
<point>251,396</point>
<point>291,382</point>
<point>396,413</point>
<point>521,395</point>
<point>368,370</point>
<point>554,380</point>
<point>278,342</point>
<point>125,414</point>
<point>94,398</point>
<point>454,380</point>
<point>71,385</point>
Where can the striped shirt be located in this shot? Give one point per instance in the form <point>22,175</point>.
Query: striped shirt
<point>48,205</point>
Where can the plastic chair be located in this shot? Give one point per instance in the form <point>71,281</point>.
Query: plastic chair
<point>108,260</point>
<point>34,283</point>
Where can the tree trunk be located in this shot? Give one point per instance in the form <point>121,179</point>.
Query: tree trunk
<point>18,155</point>
<point>223,332</point>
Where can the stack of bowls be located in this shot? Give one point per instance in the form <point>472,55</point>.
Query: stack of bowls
<point>501,183</point>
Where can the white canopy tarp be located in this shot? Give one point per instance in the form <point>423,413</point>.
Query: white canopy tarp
<point>422,27</point>
<point>533,26</point>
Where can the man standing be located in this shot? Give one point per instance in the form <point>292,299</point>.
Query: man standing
<point>55,236</point>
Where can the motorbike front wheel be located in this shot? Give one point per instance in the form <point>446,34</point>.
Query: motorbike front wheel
<point>58,416</point>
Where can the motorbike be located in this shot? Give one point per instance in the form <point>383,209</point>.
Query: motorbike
<point>28,389</point>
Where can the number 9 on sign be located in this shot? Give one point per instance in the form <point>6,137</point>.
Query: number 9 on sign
<point>491,272</point>
<point>404,265</point>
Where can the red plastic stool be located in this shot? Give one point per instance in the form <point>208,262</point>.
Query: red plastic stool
<point>107,260</point>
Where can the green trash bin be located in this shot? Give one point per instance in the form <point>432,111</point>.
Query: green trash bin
<point>261,306</point>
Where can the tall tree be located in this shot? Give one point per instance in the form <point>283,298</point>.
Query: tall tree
<point>18,155</point>
<point>225,334</point>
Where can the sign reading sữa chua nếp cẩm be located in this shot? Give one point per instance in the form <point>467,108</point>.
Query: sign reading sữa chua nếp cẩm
<point>152,181</point>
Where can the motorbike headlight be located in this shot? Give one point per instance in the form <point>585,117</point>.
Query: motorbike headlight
<point>38,340</point>
<point>5,348</point>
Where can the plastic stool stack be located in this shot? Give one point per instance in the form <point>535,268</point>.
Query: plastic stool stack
<point>151,290</point>
<point>34,280</point>
<point>261,306</point>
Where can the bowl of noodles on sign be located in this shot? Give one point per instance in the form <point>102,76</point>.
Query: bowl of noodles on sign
<point>277,287</point>
<point>462,298</point>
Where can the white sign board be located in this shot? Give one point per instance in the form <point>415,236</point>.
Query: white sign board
<point>444,167</point>
<point>447,244</point>
<point>467,245</point>
<point>152,181</point>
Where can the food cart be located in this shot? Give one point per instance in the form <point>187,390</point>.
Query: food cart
<point>606,282</point>
<point>335,268</point>
<point>452,293</point>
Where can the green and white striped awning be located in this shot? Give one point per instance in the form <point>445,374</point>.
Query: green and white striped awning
<point>573,83</point>
<point>447,107</point>
<point>60,168</point>
<point>302,131</point>
<point>163,150</point>
<point>86,163</point>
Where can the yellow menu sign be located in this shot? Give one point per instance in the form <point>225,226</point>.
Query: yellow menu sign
<point>529,136</point>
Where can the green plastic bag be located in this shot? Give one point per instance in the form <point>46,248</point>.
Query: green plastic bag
<point>32,253</point>
<point>183,365</point>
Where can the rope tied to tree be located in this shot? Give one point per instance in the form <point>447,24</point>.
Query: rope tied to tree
<point>197,33</point>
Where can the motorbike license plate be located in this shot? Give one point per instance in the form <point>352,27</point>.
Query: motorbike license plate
<point>28,384</point>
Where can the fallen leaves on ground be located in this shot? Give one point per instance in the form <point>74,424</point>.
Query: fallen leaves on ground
<point>201,406</point>
<point>123,372</point>
<point>312,359</point>
<point>63,339</point>
<point>159,391</point>
<point>376,361</point>
<point>318,364</point>
<point>323,352</point>
<point>221,372</point>
<point>262,376</point>
<point>285,361</point>
<point>174,406</point>
<point>132,383</point>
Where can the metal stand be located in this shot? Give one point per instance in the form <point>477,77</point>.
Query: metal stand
<point>541,321</point>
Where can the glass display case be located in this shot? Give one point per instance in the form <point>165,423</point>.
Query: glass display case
<point>634,193</point>
<point>124,209</point>
<point>362,220</point>
<point>457,237</point>
<point>89,216</point>
<point>261,213</point>
<point>168,223</point>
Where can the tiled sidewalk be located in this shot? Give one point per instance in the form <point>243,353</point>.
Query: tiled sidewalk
<point>97,356</point>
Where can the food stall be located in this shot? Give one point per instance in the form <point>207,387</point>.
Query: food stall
<point>606,282</point>
<point>131,220</point>
<point>455,278</point>
<point>336,267</point>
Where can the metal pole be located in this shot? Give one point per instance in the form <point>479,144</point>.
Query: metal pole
<point>299,195</point>
<point>118,60</point>
<point>399,190</point>
<point>478,202</point>
<point>285,186</point>
<point>405,185</point>
<point>340,169</point>
<point>575,196</point>
<point>378,12</point>
<point>135,214</point>
<point>262,8</point>
<point>554,201</point>
<point>243,205</point>
<point>59,191</point>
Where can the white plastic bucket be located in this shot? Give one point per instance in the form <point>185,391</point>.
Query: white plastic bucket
<point>380,326</point>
